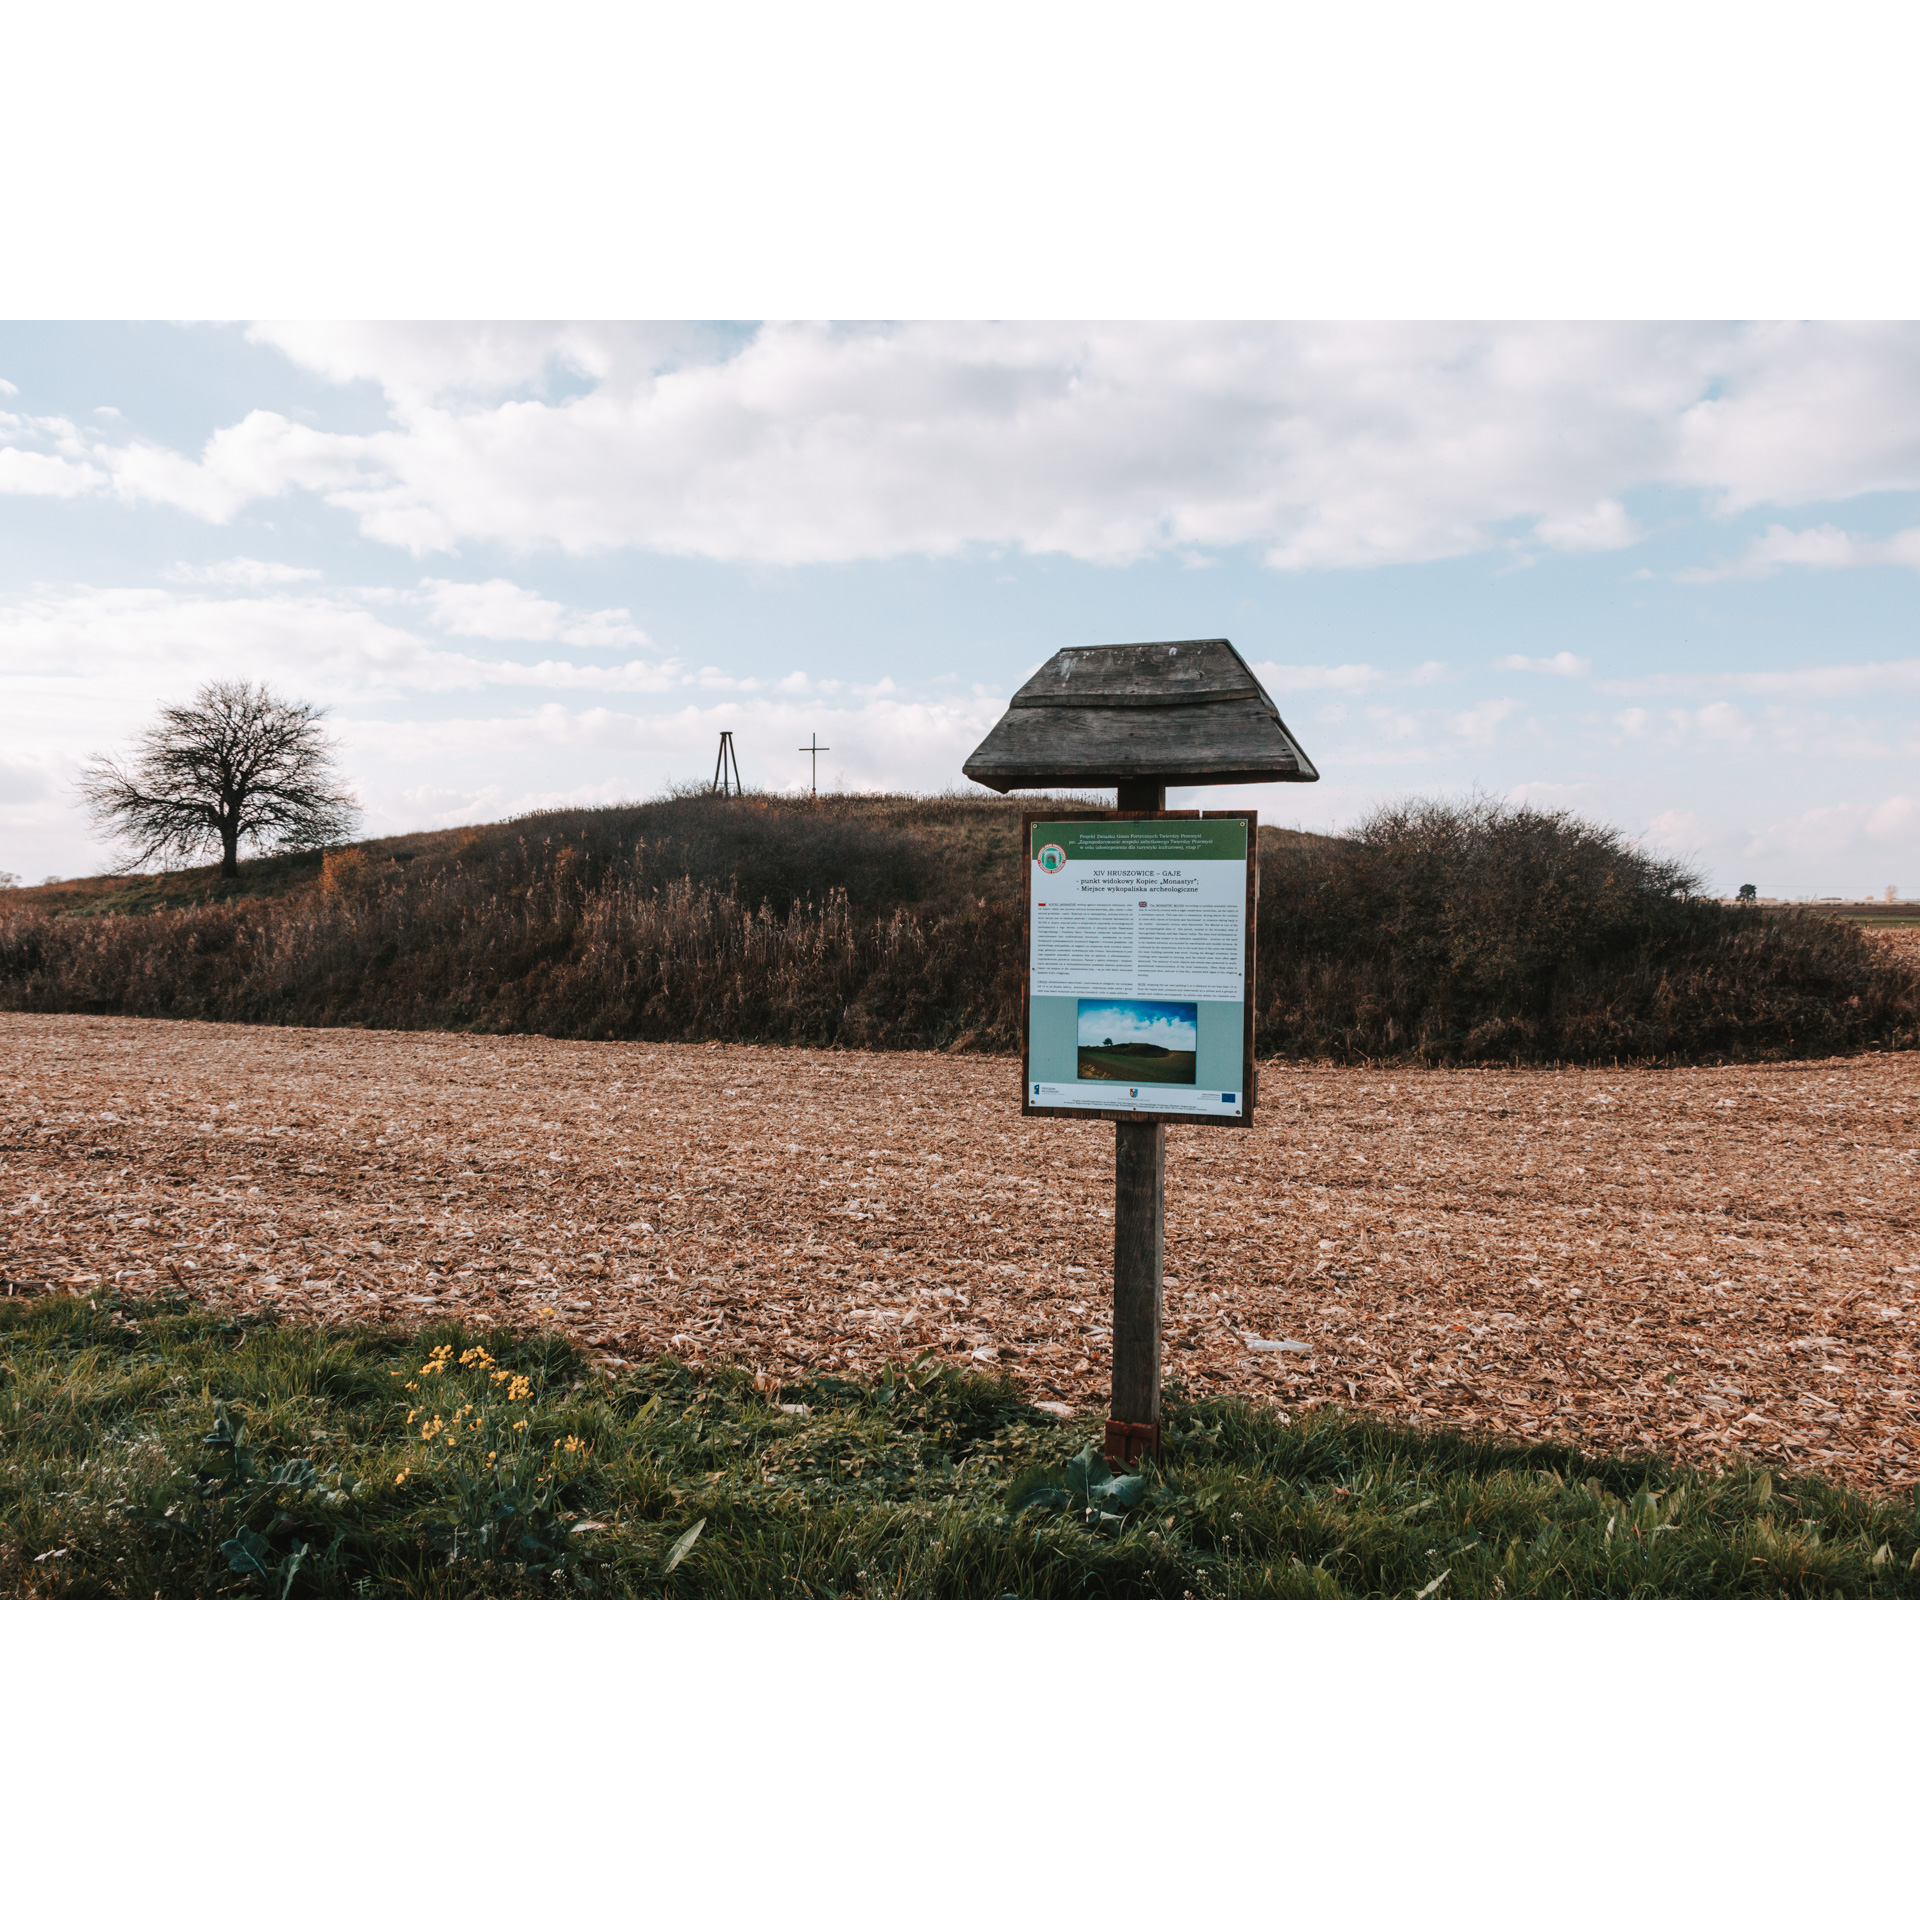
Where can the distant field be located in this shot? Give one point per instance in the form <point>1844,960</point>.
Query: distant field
<point>1160,1066</point>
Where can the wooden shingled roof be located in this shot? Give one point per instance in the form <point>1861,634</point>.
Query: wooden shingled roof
<point>1189,713</point>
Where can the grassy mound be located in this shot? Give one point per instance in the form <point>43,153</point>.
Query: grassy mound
<point>160,1450</point>
<point>1436,934</point>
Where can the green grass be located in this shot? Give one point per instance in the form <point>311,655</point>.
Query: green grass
<point>160,1450</point>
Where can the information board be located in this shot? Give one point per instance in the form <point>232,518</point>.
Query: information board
<point>1139,990</point>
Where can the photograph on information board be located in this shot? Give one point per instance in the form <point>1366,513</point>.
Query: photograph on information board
<point>1139,966</point>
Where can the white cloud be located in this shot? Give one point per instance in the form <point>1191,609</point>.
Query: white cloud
<point>1572,666</point>
<point>1778,733</point>
<point>1676,831</point>
<point>1355,678</point>
<point>1804,412</point>
<point>1596,529</point>
<point>415,363</point>
<point>9,389</point>
<point>1478,724</point>
<point>1838,682</point>
<point>262,457</point>
<point>24,471</point>
<point>1391,723</point>
<point>1724,724</point>
<point>1894,821</point>
<point>1552,796</point>
<point>1823,547</point>
<point>1323,446</point>
<point>241,573</point>
<point>94,660</point>
<point>1350,677</point>
<point>1851,848</point>
<point>502,610</point>
<point>492,610</point>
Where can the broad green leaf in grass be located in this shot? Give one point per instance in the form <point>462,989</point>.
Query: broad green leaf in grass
<point>1085,1485</point>
<point>684,1545</point>
<point>247,1552</point>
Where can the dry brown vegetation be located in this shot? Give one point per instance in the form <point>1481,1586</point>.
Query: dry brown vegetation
<point>1709,1262</point>
<point>1436,934</point>
<point>1899,943</point>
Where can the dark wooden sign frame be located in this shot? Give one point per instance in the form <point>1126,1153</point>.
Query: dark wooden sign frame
<point>1249,1075</point>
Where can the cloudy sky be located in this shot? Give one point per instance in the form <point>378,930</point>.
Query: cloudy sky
<point>1157,1023</point>
<point>1665,575</point>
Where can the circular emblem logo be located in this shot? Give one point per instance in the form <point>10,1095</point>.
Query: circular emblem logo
<point>1052,858</point>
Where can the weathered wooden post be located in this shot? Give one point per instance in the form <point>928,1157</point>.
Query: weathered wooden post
<point>1138,926</point>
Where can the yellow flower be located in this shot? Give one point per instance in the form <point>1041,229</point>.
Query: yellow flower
<point>401,1475</point>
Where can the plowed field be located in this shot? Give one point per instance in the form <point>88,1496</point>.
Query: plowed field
<point>1708,1262</point>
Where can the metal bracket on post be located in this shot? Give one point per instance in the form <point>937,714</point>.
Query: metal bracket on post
<point>1127,1440</point>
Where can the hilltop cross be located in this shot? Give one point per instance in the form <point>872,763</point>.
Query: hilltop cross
<point>816,750</point>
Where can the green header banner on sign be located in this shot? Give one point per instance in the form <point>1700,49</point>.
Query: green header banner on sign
<point>1109,840</point>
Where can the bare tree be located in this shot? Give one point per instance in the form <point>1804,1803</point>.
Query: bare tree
<point>237,764</point>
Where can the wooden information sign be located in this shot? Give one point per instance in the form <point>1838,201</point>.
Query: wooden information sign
<point>1139,995</point>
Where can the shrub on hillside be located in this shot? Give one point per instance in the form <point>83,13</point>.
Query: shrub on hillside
<point>1479,931</point>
